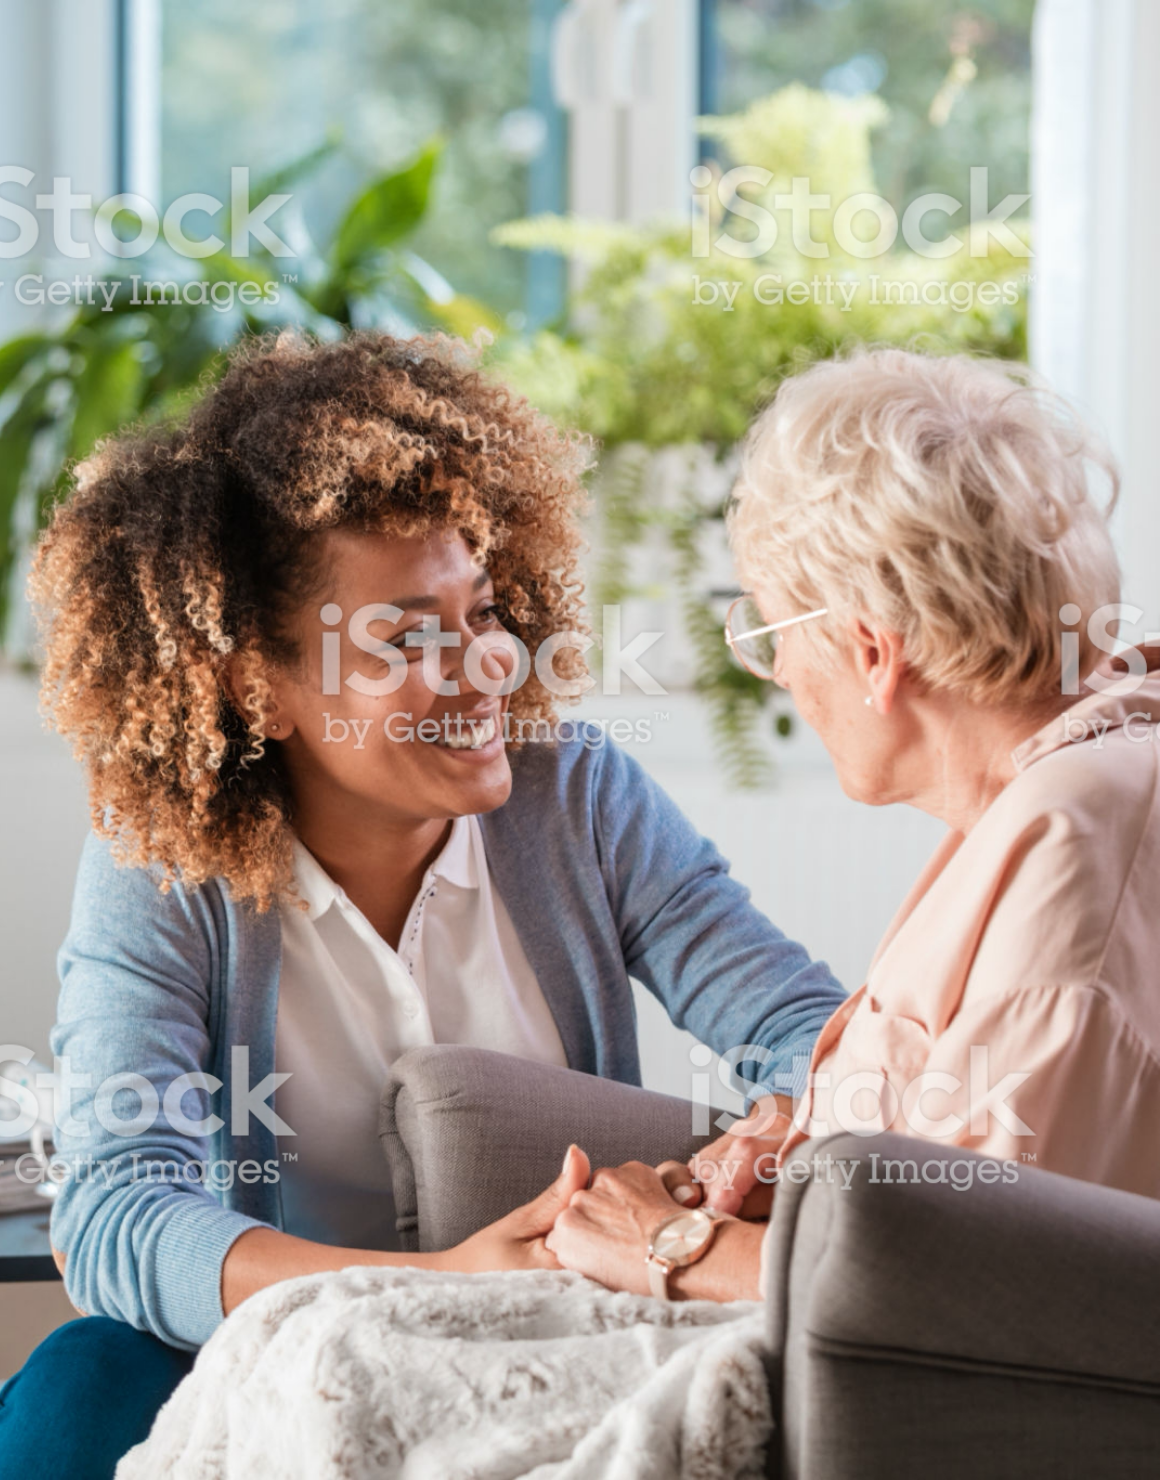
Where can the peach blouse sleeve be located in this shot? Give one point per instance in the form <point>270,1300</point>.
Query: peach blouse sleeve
<point>1054,1076</point>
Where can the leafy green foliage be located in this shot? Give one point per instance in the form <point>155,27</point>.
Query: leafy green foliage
<point>387,210</point>
<point>390,76</point>
<point>142,358</point>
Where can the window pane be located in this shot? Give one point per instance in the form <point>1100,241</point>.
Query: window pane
<point>957,79</point>
<point>247,83</point>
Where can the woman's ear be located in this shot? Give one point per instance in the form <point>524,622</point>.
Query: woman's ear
<point>278,725</point>
<point>878,659</point>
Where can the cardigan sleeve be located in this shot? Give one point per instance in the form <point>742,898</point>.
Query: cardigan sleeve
<point>690,933</point>
<point>143,1236</point>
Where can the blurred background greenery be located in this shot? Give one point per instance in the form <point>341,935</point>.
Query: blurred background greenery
<point>956,78</point>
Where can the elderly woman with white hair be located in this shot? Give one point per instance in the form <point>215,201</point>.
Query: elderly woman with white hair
<point>932,580</point>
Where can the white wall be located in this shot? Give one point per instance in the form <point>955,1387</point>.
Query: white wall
<point>43,822</point>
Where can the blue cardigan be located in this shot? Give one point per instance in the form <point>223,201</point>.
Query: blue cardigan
<point>603,878</point>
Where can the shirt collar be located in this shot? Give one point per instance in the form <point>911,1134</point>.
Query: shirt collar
<point>455,863</point>
<point>313,884</point>
<point>1098,714</point>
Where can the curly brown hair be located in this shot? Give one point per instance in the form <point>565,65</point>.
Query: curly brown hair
<point>184,549</point>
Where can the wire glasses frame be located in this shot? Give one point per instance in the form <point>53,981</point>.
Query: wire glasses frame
<point>755,647</point>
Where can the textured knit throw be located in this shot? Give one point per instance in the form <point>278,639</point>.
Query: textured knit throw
<point>404,1372</point>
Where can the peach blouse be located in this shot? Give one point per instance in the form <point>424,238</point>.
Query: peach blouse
<point>1013,1005</point>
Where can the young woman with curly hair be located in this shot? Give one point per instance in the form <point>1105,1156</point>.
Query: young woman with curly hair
<point>331,822</point>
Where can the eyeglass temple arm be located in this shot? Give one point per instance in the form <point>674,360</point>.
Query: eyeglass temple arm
<point>775,626</point>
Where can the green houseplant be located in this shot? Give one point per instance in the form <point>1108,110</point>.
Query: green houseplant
<point>651,365</point>
<point>141,356</point>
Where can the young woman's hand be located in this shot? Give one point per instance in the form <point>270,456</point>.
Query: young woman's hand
<point>733,1173</point>
<point>518,1241</point>
<point>263,1256</point>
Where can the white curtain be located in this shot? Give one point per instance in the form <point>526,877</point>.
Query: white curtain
<point>1095,305</point>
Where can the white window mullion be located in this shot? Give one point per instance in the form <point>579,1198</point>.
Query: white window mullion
<point>626,73</point>
<point>583,42</point>
<point>141,120</point>
<point>656,60</point>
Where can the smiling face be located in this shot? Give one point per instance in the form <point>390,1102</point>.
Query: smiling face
<point>360,749</point>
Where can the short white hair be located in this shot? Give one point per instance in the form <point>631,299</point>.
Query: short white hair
<point>944,498</point>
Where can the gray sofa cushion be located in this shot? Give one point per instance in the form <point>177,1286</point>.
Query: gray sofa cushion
<point>1008,1330</point>
<point>471,1134</point>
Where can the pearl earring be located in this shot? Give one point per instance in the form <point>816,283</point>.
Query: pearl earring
<point>275,727</point>
<point>869,699</point>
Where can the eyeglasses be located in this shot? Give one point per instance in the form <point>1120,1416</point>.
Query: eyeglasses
<point>753,641</point>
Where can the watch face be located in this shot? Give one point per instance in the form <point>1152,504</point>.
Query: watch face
<point>682,1237</point>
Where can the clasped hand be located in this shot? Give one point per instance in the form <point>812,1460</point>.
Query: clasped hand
<point>600,1225</point>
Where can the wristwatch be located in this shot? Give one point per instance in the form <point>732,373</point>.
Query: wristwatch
<point>680,1239</point>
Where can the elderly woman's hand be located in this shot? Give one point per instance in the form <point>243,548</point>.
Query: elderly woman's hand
<point>604,1231</point>
<point>734,1173</point>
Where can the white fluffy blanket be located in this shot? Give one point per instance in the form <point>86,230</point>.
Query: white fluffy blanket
<point>402,1372</point>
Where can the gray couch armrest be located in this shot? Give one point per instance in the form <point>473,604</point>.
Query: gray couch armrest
<point>1004,1330</point>
<point>470,1135</point>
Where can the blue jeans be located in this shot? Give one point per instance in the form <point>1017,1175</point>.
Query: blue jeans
<point>86,1395</point>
